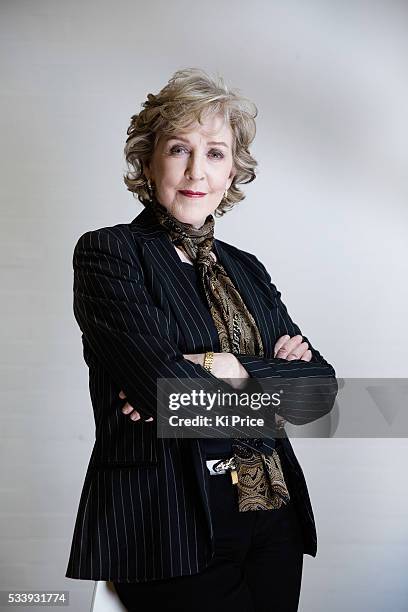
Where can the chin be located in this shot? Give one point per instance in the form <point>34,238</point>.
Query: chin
<point>189,215</point>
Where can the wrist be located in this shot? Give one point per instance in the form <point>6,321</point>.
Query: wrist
<point>208,360</point>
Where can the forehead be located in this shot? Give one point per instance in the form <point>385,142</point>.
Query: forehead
<point>212,129</point>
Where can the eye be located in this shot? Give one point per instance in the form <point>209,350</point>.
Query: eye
<point>218,154</point>
<point>179,149</point>
<point>176,148</point>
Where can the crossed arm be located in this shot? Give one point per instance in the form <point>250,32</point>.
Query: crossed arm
<point>227,366</point>
<point>131,336</point>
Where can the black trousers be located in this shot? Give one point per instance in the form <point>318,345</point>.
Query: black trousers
<point>257,565</point>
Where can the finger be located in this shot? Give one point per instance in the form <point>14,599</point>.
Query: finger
<point>122,394</point>
<point>134,414</point>
<point>289,346</point>
<point>307,356</point>
<point>127,408</point>
<point>279,343</point>
<point>297,352</point>
<point>305,348</point>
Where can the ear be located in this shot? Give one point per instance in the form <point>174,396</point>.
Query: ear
<point>147,169</point>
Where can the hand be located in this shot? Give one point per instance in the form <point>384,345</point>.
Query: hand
<point>225,366</point>
<point>130,411</point>
<point>292,348</point>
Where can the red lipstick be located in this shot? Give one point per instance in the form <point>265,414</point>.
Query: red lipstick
<point>192,194</point>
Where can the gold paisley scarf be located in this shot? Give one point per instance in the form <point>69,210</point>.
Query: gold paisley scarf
<point>260,480</point>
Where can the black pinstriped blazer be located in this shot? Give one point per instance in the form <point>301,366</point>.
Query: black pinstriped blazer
<point>144,508</point>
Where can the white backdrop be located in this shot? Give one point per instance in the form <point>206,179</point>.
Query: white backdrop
<point>330,82</point>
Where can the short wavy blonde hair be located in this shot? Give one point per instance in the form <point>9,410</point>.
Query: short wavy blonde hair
<point>190,95</point>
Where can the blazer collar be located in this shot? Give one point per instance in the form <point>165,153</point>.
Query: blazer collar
<point>147,225</point>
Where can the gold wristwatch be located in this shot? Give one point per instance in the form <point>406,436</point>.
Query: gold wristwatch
<point>208,360</point>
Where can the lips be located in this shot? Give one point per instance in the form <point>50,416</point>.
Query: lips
<point>192,194</point>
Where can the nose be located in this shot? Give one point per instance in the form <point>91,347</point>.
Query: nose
<point>194,167</point>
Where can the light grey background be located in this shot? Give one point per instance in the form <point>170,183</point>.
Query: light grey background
<point>327,215</point>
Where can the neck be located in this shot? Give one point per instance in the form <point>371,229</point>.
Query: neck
<point>197,232</point>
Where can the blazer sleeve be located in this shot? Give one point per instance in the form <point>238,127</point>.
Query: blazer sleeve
<point>321,394</point>
<point>128,333</point>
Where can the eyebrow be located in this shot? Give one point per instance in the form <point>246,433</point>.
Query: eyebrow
<point>212,142</point>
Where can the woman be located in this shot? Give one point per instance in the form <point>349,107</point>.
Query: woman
<point>161,297</point>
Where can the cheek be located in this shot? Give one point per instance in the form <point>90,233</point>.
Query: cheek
<point>219,178</point>
<point>166,189</point>
<point>218,183</point>
<point>164,169</point>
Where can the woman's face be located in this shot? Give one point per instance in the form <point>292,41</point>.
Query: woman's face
<point>197,160</point>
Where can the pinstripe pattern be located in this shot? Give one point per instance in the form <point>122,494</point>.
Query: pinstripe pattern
<point>144,508</point>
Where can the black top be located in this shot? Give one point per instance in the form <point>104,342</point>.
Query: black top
<point>214,448</point>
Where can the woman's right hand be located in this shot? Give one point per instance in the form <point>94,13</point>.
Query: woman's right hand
<point>130,411</point>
